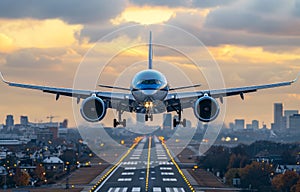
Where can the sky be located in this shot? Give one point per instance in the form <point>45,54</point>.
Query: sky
<point>43,42</point>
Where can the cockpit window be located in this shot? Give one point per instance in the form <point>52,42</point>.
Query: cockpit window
<point>150,82</point>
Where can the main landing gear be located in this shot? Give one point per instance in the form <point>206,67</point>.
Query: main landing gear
<point>119,121</point>
<point>148,116</point>
<point>178,122</point>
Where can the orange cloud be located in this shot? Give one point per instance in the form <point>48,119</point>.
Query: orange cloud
<point>148,15</point>
<point>234,53</point>
<point>294,96</point>
<point>29,33</point>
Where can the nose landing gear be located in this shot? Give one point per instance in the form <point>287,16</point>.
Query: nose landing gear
<point>148,116</point>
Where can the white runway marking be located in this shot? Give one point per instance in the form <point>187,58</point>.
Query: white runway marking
<point>170,179</point>
<point>136,189</point>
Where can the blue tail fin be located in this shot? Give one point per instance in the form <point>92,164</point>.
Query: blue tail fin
<point>150,54</point>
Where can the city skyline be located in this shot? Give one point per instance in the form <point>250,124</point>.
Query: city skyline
<point>281,120</point>
<point>46,47</point>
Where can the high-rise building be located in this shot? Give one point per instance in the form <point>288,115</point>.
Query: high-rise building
<point>9,121</point>
<point>239,124</point>
<point>295,121</point>
<point>24,120</point>
<point>255,125</point>
<point>231,126</point>
<point>64,124</point>
<point>287,114</point>
<point>167,121</point>
<point>249,126</point>
<point>278,123</point>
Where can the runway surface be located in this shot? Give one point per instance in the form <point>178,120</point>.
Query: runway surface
<point>146,167</point>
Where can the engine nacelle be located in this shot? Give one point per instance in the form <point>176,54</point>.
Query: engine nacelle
<point>93,109</point>
<point>206,109</point>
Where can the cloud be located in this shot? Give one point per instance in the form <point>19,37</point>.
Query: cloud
<point>28,33</point>
<point>186,4</point>
<point>144,15</point>
<point>6,44</point>
<point>30,58</point>
<point>253,55</point>
<point>71,11</point>
<point>257,16</point>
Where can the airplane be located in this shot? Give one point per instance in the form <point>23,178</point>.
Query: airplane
<point>149,94</point>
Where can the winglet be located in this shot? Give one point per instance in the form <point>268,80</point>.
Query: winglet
<point>2,78</point>
<point>296,79</point>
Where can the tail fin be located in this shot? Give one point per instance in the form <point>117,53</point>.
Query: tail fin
<point>150,54</point>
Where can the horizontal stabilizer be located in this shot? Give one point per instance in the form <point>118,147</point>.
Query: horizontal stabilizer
<point>184,87</point>
<point>114,87</point>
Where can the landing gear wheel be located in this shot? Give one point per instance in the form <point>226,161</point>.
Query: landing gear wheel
<point>175,122</point>
<point>146,117</point>
<point>116,123</point>
<point>119,121</point>
<point>124,122</point>
<point>184,123</point>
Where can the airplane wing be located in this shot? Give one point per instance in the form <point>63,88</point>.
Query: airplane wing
<point>186,99</point>
<point>79,94</point>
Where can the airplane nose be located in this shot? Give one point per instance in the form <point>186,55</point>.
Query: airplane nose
<point>149,92</point>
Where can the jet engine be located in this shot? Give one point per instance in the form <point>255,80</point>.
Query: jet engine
<point>93,109</point>
<point>206,109</point>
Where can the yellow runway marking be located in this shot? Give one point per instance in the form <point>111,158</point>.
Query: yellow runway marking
<point>148,164</point>
<point>96,186</point>
<point>177,167</point>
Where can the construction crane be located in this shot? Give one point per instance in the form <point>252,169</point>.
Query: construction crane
<point>50,117</point>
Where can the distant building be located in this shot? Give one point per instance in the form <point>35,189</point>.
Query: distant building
<point>24,120</point>
<point>278,117</point>
<point>167,121</point>
<point>287,114</point>
<point>239,124</point>
<point>249,126</point>
<point>231,126</point>
<point>283,168</point>
<point>9,122</point>
<point>63,133</point>
<point>47,133</point>
<point>255,125</point>
<point>64,124</point>
<point>53,164</point>
<point>294,122</point>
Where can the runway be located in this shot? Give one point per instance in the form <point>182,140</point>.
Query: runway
<point>146,167</point>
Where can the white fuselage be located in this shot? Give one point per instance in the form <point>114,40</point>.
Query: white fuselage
<point>149,86</point>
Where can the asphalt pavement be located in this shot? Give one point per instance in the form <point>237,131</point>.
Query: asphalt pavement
<point>146,167</point>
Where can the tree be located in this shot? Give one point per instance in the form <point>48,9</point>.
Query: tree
<point>288,158</point>
<point>217,159</point>
<point>296,187</point>
<point>284,182</point>
<point>40,172</point>
<point>230,174</point>
<point>256,174</point>
<point>21,177</point>
<point>237,161</point>
<point>69,156</point>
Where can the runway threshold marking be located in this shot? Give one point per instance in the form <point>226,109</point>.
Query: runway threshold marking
<point>177,167</point>
<point>148,164</point>
<point>110,172</point>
